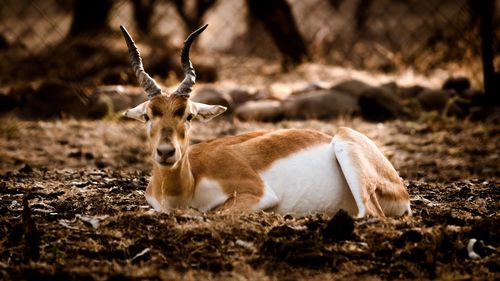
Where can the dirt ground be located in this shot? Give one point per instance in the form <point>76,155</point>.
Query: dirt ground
<point>73,208</point>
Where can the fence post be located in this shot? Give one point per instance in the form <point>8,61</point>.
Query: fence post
<point>490,84</point>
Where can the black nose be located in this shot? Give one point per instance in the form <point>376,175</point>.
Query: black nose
<point>165,152</point>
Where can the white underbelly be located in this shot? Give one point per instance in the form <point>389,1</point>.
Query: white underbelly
<point>309,181</point>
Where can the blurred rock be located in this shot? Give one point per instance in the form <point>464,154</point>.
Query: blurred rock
<point>109,99</point>
<point>433,99</point>
<point>471,100</point>
<point>379,104</point>
<point>471,94</point>
<point>212,96</point>
<point>354,87</point>
<point>53,99</point>
<point>309,88</point>
<point>262,110</point>
<point>321,104</point>
<point>7,101</point>
<point>458,84</point>
<point>239,97</point>
<point>4,43</point>
<point>410,92</point>
<point>115,76</point>
<point>391,87</point>
<point>440,100</point>
<point>206,73</point>
<point>265,94</point>
<point>26,169</point>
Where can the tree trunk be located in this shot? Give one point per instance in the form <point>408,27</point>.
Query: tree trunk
<point>194,21</point>
<point>143,11</point>
<point>277,18</point>
<point>361,14</point>
<point>491,85</point>
<point>90,16</point>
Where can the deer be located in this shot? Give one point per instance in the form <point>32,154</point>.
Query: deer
<point>286,171</point>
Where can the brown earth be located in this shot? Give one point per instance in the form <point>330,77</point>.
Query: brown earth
<point>72,208</point>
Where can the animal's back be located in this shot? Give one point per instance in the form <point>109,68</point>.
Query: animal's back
<point>258,149</point>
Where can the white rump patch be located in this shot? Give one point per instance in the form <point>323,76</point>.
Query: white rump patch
<point>208,194</point>
<point>309,181</point>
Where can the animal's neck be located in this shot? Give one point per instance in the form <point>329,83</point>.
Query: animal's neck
<point>177,182</point>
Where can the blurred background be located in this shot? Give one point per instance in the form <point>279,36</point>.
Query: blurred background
<point>376,35</point>
<point>270,48</point>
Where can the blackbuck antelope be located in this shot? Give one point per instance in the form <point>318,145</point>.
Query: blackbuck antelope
<point>285,171</point>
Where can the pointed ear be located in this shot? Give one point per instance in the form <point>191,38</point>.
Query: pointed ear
<point>137,112</point>
<point>205,112</point>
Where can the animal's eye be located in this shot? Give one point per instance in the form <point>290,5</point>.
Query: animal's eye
<point>146,117</point>
<point>179,112</point>
<point>156,112</point>
<point>190,117</point>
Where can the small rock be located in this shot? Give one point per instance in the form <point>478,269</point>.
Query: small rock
<point>458,84</point>
<point>433,99</point>
<point>80,183</point>
<point>75,154</point>
<point>440,100</point>
<point>263,110</point>
<point>412,236</point>
<point>93,221</point>
<point>339,228</point>
<point>354,87</point>
<point>26,169</point>
<point>101,164</point>
<point>265,94</point>
<point>247,245</point>
<point>391,87</point>
<point>322,104</point>
<point>239,97</point>
<point>378,104</point>
<point>410,92</point>
<point>309,88</point>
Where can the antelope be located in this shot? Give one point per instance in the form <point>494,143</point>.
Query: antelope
<point>292,171</point>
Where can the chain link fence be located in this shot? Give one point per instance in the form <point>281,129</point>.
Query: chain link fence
<point>373,35</point>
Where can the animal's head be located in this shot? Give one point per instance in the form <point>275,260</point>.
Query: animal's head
<point>168,116</point>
